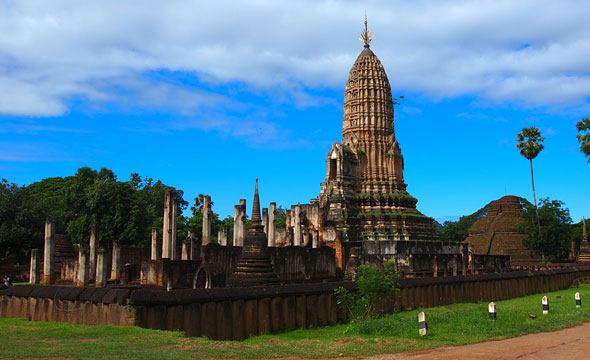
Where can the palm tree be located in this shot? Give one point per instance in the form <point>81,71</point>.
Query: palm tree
<point>530,148</point>
<point>584,139</point>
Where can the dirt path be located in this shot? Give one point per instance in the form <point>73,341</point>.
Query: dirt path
<point>571,344</point>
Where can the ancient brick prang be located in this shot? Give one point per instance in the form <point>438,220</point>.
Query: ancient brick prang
<point>497,233</point>
<point>364,195</point>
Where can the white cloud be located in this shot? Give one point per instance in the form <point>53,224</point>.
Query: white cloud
<point>529,52</point>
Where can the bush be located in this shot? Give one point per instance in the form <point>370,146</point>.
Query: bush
<point>376,287</point>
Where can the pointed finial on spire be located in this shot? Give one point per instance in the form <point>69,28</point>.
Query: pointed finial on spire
<point>366,35</point>
<point>256,219</point>
<point>584,236</point>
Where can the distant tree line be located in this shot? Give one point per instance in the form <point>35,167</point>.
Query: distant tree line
<point>124,211</point>
<point>121,210</point>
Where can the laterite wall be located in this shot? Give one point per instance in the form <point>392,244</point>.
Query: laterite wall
<point>240,312</point>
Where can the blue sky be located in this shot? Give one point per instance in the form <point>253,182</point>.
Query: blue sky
<point>207,96</point>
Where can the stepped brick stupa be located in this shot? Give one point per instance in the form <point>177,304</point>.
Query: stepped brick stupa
<point>364,195</point>
<point>497,232</point>
<point>254,266</point>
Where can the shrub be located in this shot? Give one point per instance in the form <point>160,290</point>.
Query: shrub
<point>376,287</point>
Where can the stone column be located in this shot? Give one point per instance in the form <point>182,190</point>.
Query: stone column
<point>166,231</point>
<point>288,228</point>
<point>191,243</point>
<point>265,220</point>
<point>82,268</point>
<point>236,225</point>
<point>455,267</point>
<point>271,223</point>
<point>314,239</point>
<point>116,262</point>
<point>185,249</point>
<point>101,269</point>
<point>154,244</point>
<point>206,239</point>
<point>93,248</point>
<point>34,273</point>
<point>49,256</point>
<point>243,227</point>
<point>222,236</point>
<point>297,226</point>
<point>435,267</point>
<point>173,246</point>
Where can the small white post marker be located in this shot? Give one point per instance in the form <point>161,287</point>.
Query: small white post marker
<point>578,300</point>
<point>422,324</point>
<point>545,303</point>
<point>492,309</point>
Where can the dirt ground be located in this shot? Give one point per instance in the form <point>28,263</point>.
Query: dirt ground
<point>571,344</point>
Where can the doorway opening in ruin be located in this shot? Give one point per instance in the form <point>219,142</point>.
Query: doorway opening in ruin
<point>200,280</point>
<point>332,170</point>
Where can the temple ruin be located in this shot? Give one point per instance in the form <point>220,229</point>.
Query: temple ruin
<point>497,233</point>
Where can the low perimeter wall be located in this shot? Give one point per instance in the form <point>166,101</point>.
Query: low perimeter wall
<point>236,313</point>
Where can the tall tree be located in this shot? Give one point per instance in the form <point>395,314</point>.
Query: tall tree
<point>529,142</point>
<point>548,229</point>
<point>584,138</point>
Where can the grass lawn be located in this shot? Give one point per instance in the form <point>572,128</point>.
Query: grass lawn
<point>456,324</point>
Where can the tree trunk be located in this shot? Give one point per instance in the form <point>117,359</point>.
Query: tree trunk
<point>533,181</point>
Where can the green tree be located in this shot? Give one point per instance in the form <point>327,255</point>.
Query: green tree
<point>280,217</point>
<point>548,229</point>
<point>529,142</point>
<point>377,285</point>
<point>21,222</point>
<point>584,138</point>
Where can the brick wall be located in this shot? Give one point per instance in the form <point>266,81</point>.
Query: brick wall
<point>240,312</point>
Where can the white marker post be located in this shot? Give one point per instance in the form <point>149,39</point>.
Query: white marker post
<point>578,300</point>
<point>492,310</point>
<point>545,303</point>
<point>422,324</point>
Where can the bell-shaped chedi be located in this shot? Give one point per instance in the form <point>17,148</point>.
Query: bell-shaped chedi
<point>254,267</point>
<point>497,233</point>
<point>364,195</point>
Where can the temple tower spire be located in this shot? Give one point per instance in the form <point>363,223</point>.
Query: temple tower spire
<point>366,35</point>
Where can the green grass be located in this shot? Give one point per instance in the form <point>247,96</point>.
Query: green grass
<point>456,324</point>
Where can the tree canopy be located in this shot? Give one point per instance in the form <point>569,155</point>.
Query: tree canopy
<point>548,228</point>
<point>583,126</point>
<point>529,142</point>
<point>121,210</point>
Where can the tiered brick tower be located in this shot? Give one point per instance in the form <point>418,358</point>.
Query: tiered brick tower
<point>364,196</point>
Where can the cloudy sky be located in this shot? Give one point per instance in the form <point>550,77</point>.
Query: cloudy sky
<point>208,95</point>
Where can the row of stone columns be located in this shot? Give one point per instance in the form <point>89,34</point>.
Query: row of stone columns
<point>84,263</point>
